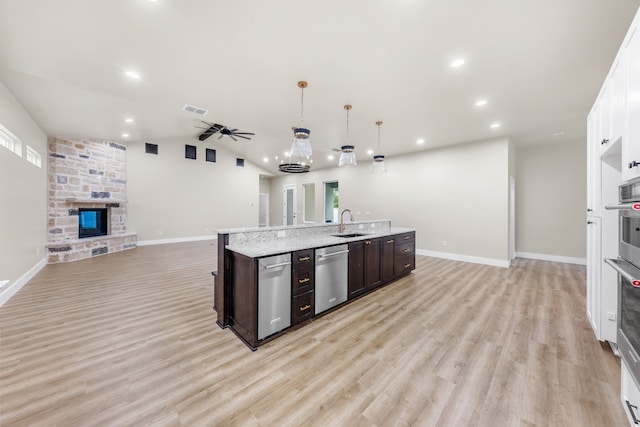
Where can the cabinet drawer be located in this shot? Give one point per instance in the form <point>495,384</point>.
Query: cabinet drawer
<point>405,238</point>
<point>302,307</point>
<point>405,249</point>
<point>302,260</point>
<point>301,282</point>
<point>405,264</point>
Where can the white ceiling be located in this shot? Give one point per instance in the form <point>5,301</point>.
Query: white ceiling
<point>538,63</point>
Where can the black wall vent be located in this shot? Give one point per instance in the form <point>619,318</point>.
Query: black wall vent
<point>240,162</point>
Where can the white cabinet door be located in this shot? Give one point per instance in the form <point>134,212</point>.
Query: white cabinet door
<point>593,273</point>
<point>631,136</point>
<point>618,98</point>
<point>604,111</point>
<point>594,171</point>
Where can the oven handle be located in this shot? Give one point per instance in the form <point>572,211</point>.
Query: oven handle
<point>615,264</point>
<point>619,207</point>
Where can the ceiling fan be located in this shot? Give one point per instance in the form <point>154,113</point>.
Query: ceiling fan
<point>222,130</point>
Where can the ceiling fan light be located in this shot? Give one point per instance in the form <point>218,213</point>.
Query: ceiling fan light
<point>347,156</point>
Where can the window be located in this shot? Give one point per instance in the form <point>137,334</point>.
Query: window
<point>10,141</point>
<point>190,152</point>
<point>34,157</point>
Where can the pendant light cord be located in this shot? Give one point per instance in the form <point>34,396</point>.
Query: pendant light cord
<point>348,126</point>
<point>302,107</point>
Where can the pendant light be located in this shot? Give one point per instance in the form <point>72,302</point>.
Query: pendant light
<point>347,152</point>
<point>301,145</point>
<point>378,160</point>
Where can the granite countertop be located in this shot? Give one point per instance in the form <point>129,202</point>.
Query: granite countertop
<point>279,246</point>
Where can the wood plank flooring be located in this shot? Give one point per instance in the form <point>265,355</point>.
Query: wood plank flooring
<point>129,339</point>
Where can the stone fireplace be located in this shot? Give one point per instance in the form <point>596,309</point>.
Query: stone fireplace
<point>85,176</point>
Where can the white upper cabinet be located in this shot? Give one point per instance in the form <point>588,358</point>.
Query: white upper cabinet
<point>594,171</point>
<point>631,134</point>
<point>617,88</point>
<point>604,140</point>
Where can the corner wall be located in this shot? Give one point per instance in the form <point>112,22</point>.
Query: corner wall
<point>171,198</point>
<point>551,201</point>
<point>23,191</point>
<point>457,194</point>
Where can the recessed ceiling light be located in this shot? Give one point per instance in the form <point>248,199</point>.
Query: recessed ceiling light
<point>266,159</point>
<point>125,135</point>
<point>330,157</point>
<point>457,63</point>
<point>481,103</point>
<point>559,133</point>
<point>495,125</point>
<point>128,120</point>
<point>420,141</point>
<point>369,152</point>
<point>286,154</point>
<point>153,1</point>
<point>132,74</point>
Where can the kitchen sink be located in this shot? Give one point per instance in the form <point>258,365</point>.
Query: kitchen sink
<point>346,236</point>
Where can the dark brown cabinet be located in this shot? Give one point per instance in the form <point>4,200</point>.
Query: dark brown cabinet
<point>387,259</point>
<point>364,266</point>
<point>405,253</point>
<point>302,286</point>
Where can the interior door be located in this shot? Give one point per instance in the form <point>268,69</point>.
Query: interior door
<point>263,210</point>
<point>289,204</point>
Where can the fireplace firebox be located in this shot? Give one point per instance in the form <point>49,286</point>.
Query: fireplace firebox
<point>92,222</point>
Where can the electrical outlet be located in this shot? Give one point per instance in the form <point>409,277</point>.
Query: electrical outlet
<point>611,316</point>
<point>360,226</point>
<point>444,243</point>
<point>281,233</point>
<point>37,251</point>
<point>160,232</point>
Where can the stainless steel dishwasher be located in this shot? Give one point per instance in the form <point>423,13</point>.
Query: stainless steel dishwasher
<point>274,294</point>
<point>332,272</point>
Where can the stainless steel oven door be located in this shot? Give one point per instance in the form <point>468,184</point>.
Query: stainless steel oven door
<point>629,230</point>
<point>628,335</point>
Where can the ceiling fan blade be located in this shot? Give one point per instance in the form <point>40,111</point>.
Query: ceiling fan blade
<point>244,133</point>
<point>240,136</point>
<point>221,135</point>
<point>233,137</point>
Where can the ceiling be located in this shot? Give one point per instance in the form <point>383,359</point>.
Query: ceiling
<point>539,64</point>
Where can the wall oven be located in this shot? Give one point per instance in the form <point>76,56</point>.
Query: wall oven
<point>627,265</point>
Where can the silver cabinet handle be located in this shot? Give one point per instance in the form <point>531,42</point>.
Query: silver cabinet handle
<point>282,264</point>
<point>334,254</point>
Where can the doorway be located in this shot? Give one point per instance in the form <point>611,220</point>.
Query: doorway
<point>263,210</point>
<point>512,218</point>
<point>289,204</point>
<point>331,201</point>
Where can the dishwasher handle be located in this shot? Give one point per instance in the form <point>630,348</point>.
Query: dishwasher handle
<point>331,254</point>
<point>281,264</point>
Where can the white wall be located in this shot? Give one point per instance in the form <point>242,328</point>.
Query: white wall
<point>457,194</point>
<point>170,197</point>
<point>551,199</point>
<point>23,198</point>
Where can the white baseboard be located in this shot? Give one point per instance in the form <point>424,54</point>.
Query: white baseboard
<point>18,284</point>
<point>176,240</point>
<point>554,258</point>
<point>466,258</point>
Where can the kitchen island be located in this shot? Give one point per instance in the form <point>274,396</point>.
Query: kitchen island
<point>272,279</point>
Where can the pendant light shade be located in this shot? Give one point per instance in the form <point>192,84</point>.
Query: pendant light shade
<point>378,160</point>
<point>347,156</point>
<point>301,144</point>
<point>347,152</point>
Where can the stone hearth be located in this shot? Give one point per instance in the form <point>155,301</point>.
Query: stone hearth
<point>87,174</point>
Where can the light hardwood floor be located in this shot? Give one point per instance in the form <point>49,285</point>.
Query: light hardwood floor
<point>129,339</point>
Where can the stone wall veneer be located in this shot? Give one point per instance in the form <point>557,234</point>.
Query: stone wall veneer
<point>86,174</point>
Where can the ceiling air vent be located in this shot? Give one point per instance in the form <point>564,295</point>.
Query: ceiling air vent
<point>196,110</point>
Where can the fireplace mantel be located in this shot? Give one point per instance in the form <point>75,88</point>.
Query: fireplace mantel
<point>79,201</point>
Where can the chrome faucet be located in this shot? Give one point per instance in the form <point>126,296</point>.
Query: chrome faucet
<point>341,229</point>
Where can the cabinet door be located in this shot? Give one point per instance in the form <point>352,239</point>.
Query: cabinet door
<point>372,263</point>
<point>594,263</point>
<point>356,269</point>
<point>594,165</point>
<point>631,136</point>
<point>387,259</point>
<point>618,98</point>
<point>604,113</point>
